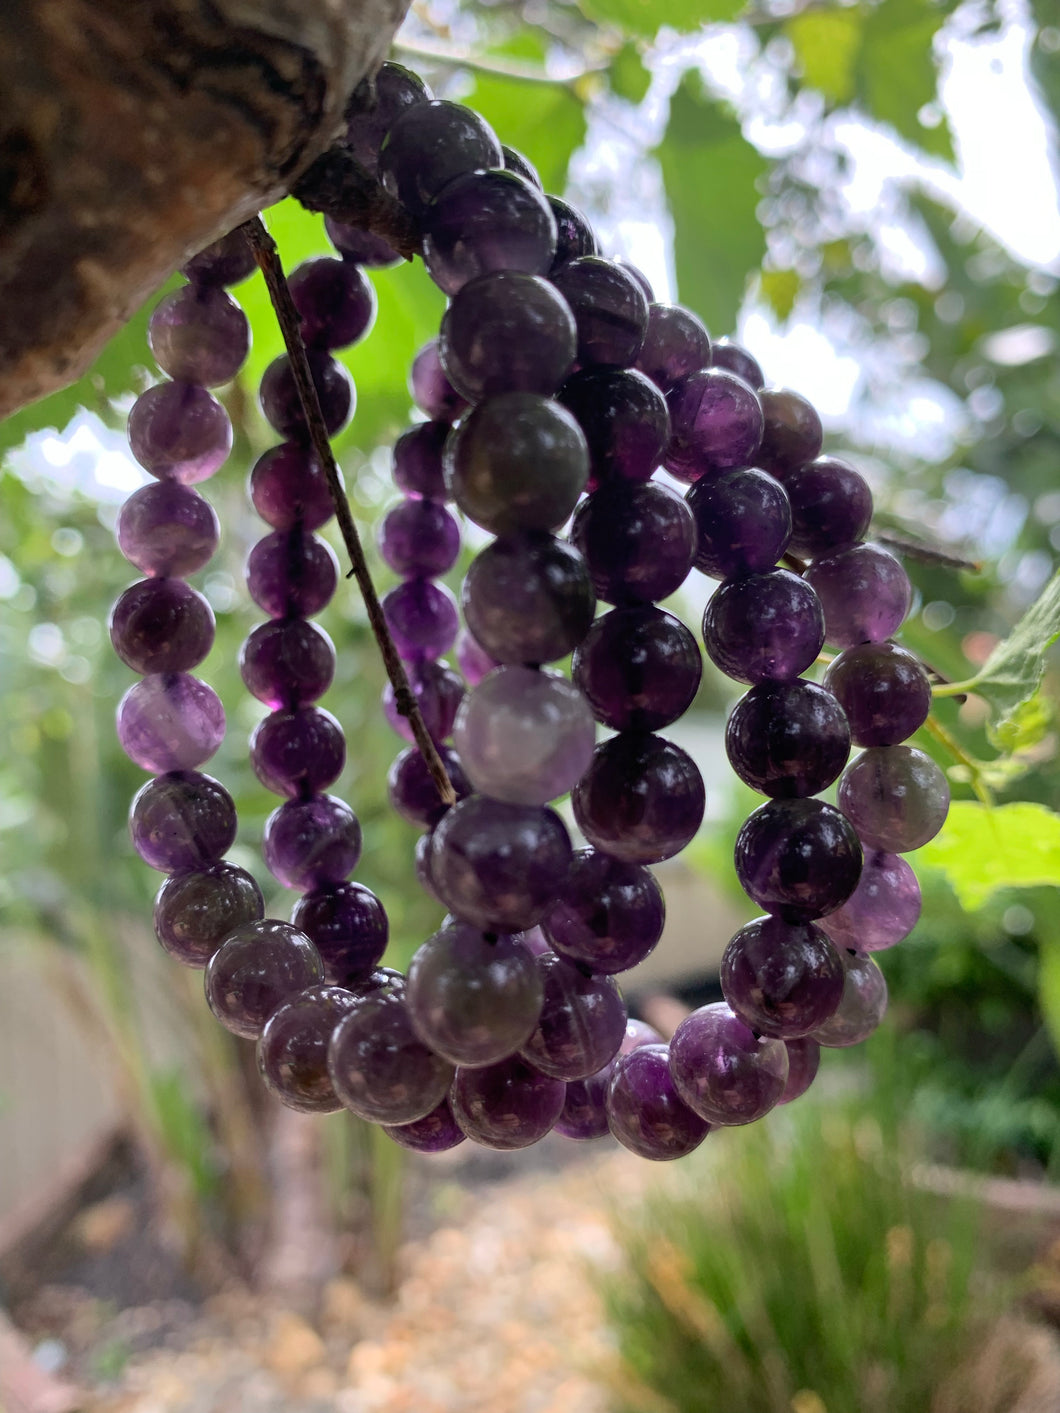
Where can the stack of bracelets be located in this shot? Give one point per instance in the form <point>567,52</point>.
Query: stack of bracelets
<point>555,374</point>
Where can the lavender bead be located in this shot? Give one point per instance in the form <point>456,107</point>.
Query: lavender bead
<point>717,423</point>
<point>639,1033</point>
<point>225,261</point>
<point>883,908</point>
<point>376,105</point>
<point>289,488</point>
<point>258,967</point>
<point>282,405</point>
<point>161,625</point>
<point>528,599</point>
<point>196,910</point>
<point>863,1006</point>
<point>298,753</point>
<point>181,821</point>
<point>167,529</point>
<point>609,309</point>
<point>474,661</point>
<point>883,690</point>
<point>896,797</point>
<point>508,1105</point>
<point>608,915</point>
<point>639,668</point>
<point>734,359</point>
<point>641,800</point>
<point>486,221</point>
<point>419,538</point>
<point>582,1022</point>
<point>422,619</point>
<point>438,691</point>
<point>507,332</point>
<point>743,522</point>
<point>308,843</point>
<point>865,594</point>
<point>380,1068</point>
<point>199,334</point>
<point>675,345</point>
<point>429,145</point>
<point>292,574</point>
<point>644,1110</point>
<point>783,979</point>
<point>430,388</point>
<point>638,539</point>
<point>764,627</point>
<point>170,721</point>
<point>436,1132</point>
<point>177,431</point>
<point>292,1049</point>
<point>804,1057</point>
<point>791,434</point>
<point>287,662</point>
<point>360,247</point>
<point>722,1071</point>
<point>798,858</point>
<point>348,926</point>
<point>336,303</point>
<point>418,469</point>
<point>574,235</point>
<point>412,791</point>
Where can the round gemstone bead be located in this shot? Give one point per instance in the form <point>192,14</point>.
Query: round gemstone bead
<point>782,979</point>
<point>199,334</point>
<point>625,421</point>
<point>380,1068</point>
<point>516,161</point>
<point>524,736</point>
<point>608,915</point>
<point>609,309</point>
<point>177,431</point>
<point>293,1049</point>
<point>787,739</point>
<point>474,999</point>
<point>716,421</point>
<point>360,247</point>
<point>196,910</point>
<point>743,522</point>
<point>638,275</point>
<point>582,1022</point>
<point>287,662</point>
<point>798,858</point>
<point>422,619</point>
<point>418,469</point>
<point>258,967</point>
<point>896,797</point>
<point>865,594</point>
<point>638,667</point>
<point>883,690</point>
<point>508,1105</point>
<point>638,539</point>
<point>282,405</point>
<point>289,488</point>
<point>862,1008</point>
<point>831,505</point>
<point>764,627</point>
<point>574,235</point>
<point>883,908</point>
<point>348,926</point>
<point>170,721</point>
<point>436,1132</point>
<point>499,865</point>
<point>420,538</point>
<point>507,331</point>
<point>438,691</point>
<point>792,432</point>
<point>182,820</point>
<point>335,300</point>
<point>804,1057</point>
<point>528,599</point>
<point>644,1110</point>
<point>641,800</point>
<point>161,625</point>
<point>429,145</point>
<point>676,344</point>
<point>486,221</point>
<point>292,574</point>
<point>224,262</point>
<point>165,528</point>
<point>412,791</point>
<point>584,1113</point>
<point>722,1071</point>
<point>734,359</point>
<point>430,388</point>
<point>311,842</point>
<point>298,753</point>
<point>473,660</point>
<point>377,106</point>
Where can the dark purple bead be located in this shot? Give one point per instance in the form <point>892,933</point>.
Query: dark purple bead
<point>582,1022</point>
<point>348,926</point>
<point>574,235</point>
<point>884,691</point>
<point>195,911</point>
<point>376,105</point>
<point>734,359</point>
<point>361,247</point>
<point>287,662</point>
<point>432,392</point>
<point>335,300</point>
<point>831,505</point>
<point>609,309</point>
<point>381,1069</point>
<point>183,820</point>
<point>418,467</point>
<point>292,1049</point>
<point>170,721</point>
<point>165,528</point>
<point>507,332</point>
<point>625,421</point>
<point>487,221</point>
<point>438,691</point>
<point>437,1132</point>
<point>638,539</point>
<point>638,667</point>
<point>474,661</point>
<point>424,875</point>
<point>528,599</point>
<point>515,161</point>
<point>413,793</point>
<point>676,344</point>
<point>787,739</point>
<point>804,1057</point>
<point>178,432</point>
<point>298,753</point>
<point>422,619</point>
<point>883,908</point>
<point>716,421</point>
<point>289,488</point>
<point>224,262</point>
<point>429,145</point>
<point>308,843</point>
<point>292,574</point>
<point>791,434</point>
<point>608,915</point>
<point>865,594</point>
<point>258,967</point>
<point>641,800</point>
<point>199,334</point>
<point>743,522</point>
<point>499,865</point>
<point>862,1008</point>
<point>638,275</point>
<point>283,407</point>
<point>507,1105</point>
<point>161,625</point>
<point>722,1071</point>
<point>763,627</point>
<point>798,858</point>
<point>419,537</point>
<point>644,1110</point>
<point>896,797</point>
<point>782,979</point>
<point>584,1113</point>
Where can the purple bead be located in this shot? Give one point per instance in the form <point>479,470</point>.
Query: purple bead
<point>225,262</point>
<point>743,522</point>
<point>422,619</point>
<point>609,309</point>
<point>625,421</point>
<point>574,235</point>
<point>798,858</point>
<point>183,820</point>
<point>582,1022</point>
<point>170,721</point>
<point>782,979</point>
<point>412,791</point>
<point>639,668</point>
<point>348,926</point>
<point>763,627</point>
<point>517,162</point>
<point>287,662</point>
<point>419,538</point>
<point>638,539</point>
<point>360,247</point>
<point>524,736</point>
<point>865,594</point>
<point>883,908</point>
<point>292,574</point>
<point>282,405</point>
<point>161,625</point>
<point>437,1132</point>
<point>791,434</point>
<point>722,1070</point>
<point>862,1008</point>
<point>429,145</point>
<point>641,800</point>
<point>376,105</point>
<point>507,331</point>
<point>831,505</point>
<point>178,432</point>
<point>486,221</point>
<point>199,334</point>
<point>195,911</point>
<point>717,423</point>
<point>644,1110</point>
<point>528,599</point>
<point>380,1068</point>
<point>335,300</point>
<point>474,661</point>
<point>584,1113</point>
<point>639,1033</point>
<point>432,392</point>
<point>474,999</point>
<point>438,691</point>
<point>298,753</point>
<point>883,690</point>
<point>896,797</point>
<point>424,875</point>
<point>258,967</point>
<point>734,359</point>
<point>676,344</point>
<point>308,843</point>
<point>499,865</point>
<point>804,1057</point>
<point>165,528</point>
<point>418,469</point>
<point>508,1105</point>
<point>609,914</point>
<point>638,275</point>
<point>787,739</point>
<point>289,488</point>
<point>293,1049</point>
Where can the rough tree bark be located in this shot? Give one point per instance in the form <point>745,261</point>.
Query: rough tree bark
<point>131,135</point>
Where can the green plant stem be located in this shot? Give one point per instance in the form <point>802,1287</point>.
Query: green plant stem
<point>935,728</point>
<point>954,689</point>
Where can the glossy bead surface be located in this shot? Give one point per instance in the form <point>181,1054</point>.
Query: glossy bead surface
<point>734,359</point>
<point>625,421</point>
<point>282,405</point>
<point>507,331</point>
<point>178,432</point>
<point>506,1106</point>
<point>883,908</point>
<point>609,309</point>
<point>422,619</point>
<point>348,926</point>
<point>676,344</point>
<point>798,858</point>
<point>380,1068</point>
<point>436,1132</point>
<point>225,261</point>
<point>199,334</point>
<point>418,467</point>
<point>438,691</point>
<point>419,538</point>
<point>288,488</point>
<point>864,592</point>
<point>863,1006</point>
<point>831,505</point>
<point>161,625</point>
<point>896,797</point>
<point>290,573</point>
<point>722,1071</point>
<point>638,540</point>
<point>582,1022</point>
<point>431,390</point>
<point>574,235</point>
<point>528,599</point>
<point>782,979</point>
<point>644,1110</point>
<point>182,820</point>
<point>411,789</point>
<point>196,910</point>
<point>763,627</point>
<point>287,662</point>
<point>430,144</point>
<point>487,221</point>
<point>743,522</point>
<point>299,752</point>
<point>791,433</point>
<point>292,1049</point>
<point>883,690</point>
<point>804,1058</point>
<point>336,302</point>
<point>639,668</point>
<point>165,528</point>
<point>716,421</point>
<point>311,842</point>
<point>641,800</point>
<point>608,915</point>
<point>787,739</point>
<point>170,721</point>
<point>257,967</point>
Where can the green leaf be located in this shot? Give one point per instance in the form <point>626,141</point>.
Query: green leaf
<point>826,44</point>
<point>1049,988</point>
<point>896,71</point>
<point>628,77</point>
<point>1013,672</point>
<point>645,17</point>
<point>546,122</point>
<point>981,850</point>
<point>780,289</point>
<point>711,174</point>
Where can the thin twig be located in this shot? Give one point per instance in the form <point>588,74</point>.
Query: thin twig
<point>488,64</point>
<point>268,258</point>
<point>341,188</point>
<point>927,553</point>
